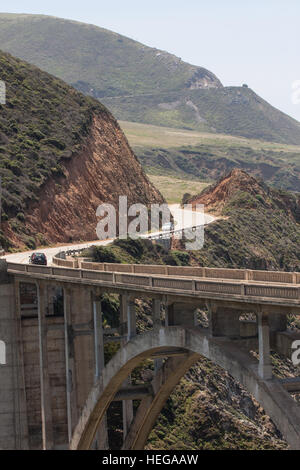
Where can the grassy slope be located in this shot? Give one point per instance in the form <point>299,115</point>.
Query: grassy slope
<point>179,153</point>
<point>229,110</point>
<point>41,124</point>
<point>139,83</point>
<point>147,135</point>
<point>91,58</point>
<point>173,189</point>
<point>257,233</point>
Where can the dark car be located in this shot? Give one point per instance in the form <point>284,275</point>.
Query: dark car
<point>38,258</point>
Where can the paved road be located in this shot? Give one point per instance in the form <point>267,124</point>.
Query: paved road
<point>182,219</point>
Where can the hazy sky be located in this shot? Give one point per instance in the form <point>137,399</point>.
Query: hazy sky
<point>251,41</point>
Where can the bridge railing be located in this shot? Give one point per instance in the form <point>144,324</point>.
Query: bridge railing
<point>168,281</point>
<point>182,271</point>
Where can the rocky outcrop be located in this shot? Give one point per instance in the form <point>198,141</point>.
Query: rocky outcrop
<point>103,169</point>
<point>215,197</point>
<point>203,78</point>
<point>258,228</point>
<point>61,155</point>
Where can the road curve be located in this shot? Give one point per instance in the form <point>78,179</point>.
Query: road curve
<point>183,219</point>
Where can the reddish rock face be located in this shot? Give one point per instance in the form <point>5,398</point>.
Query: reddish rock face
<point>104,169</point>
<point>216,196</point>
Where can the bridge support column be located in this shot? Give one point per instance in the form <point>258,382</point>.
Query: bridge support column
<point>98,337</point>
<point>50,299</point>
<point>277,322</point>
<point>13,410</point>
<point>223,321</point>
<point>181,314</point>
<point>128,317</point>
<point>102,436</point>
<point>156,325</point>
<point>46,409</point>
<point>131,320</point>
<point>70,364</point>
<point>265,364</point>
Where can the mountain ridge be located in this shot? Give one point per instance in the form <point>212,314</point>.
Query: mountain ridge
<point>139,83</point>
<point>64,38</point>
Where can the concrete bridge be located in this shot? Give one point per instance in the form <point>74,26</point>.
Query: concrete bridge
<point>56,385</point>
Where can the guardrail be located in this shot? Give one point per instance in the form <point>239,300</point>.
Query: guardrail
<point>204,284</point>
<point>279,277</point>
<point>203,272</point>
<point>169,234</point>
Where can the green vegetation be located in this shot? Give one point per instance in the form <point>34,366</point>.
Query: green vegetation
<point>179,154</point>
<point>91,58</point>
<point>153,86</point>
<point>207,163</point>
<point>41,126</point>
<point>136,252</point>
<point>234,111</point>
<point>209,410</point>
<point>173,189</point>
<point>159,137</point>
<point>259,228</point>
<point>254,235</point>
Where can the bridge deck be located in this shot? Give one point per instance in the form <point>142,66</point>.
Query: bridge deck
<point>249,291</point>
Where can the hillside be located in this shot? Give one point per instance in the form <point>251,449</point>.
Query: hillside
<point>61,155</point>
<point>259,229</point>
<point>97,61</point>
<point>210,162</point>
<point>194,157</point>
<point>139,83</point>
<point>229,110</point>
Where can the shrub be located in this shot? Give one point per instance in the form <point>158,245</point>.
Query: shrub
<point>101,254</point>
<point>135,248</point>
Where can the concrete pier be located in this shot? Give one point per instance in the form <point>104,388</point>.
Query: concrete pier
<point>53,376</point>
<point>13,412</point>
<point>265,364</point>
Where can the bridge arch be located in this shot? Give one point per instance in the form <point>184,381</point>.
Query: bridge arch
<point>276,401</point>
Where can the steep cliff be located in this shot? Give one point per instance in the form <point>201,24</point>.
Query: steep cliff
<point>61,155</point>
<point>259,226</point>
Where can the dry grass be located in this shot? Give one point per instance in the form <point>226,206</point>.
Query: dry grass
<point>146,135</point>
<point>174,188</point>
